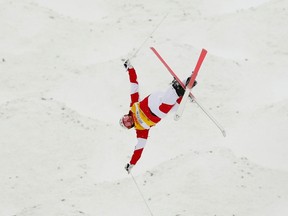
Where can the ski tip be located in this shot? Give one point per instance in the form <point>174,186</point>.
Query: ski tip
<point>204,50</point>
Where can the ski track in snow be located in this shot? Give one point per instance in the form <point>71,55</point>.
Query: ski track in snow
<point>63,89</point>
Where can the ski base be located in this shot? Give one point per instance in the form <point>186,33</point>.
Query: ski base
<point>181,107</point>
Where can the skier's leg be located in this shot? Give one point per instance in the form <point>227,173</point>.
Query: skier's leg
<point>160,103</point>
<point>170,96</point>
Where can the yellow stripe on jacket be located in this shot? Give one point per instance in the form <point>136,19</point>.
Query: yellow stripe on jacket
<point>141,121</point>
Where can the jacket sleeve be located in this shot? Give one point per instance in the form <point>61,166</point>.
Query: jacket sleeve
<point>142,136</point>
<point>134,89</point>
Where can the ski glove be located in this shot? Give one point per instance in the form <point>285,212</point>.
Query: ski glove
<point>128,167</point>
<point>127,64</point>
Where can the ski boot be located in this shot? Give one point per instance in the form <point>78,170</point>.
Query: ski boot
<point>179,89</point>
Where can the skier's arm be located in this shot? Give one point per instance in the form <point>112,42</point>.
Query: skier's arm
<point>134,89</point>
<point>142,136</point>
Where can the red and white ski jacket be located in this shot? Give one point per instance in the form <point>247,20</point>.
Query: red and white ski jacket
<point>148,112</point>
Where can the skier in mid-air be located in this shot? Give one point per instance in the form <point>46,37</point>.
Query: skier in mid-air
<point>148,112</point>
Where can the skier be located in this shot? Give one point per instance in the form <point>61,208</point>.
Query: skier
<point>148,112</point>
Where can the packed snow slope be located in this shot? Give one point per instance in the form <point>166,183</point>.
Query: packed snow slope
<point>63,89</point>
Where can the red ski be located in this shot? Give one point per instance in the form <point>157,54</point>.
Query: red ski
<point>187,88</point>
<point>167,66</point>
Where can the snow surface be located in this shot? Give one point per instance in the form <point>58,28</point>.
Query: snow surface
<point>63,89</point>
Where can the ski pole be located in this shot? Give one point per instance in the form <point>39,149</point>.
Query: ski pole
<point>193,99</point>
<point>141,195</point>
<point>156,27</point>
